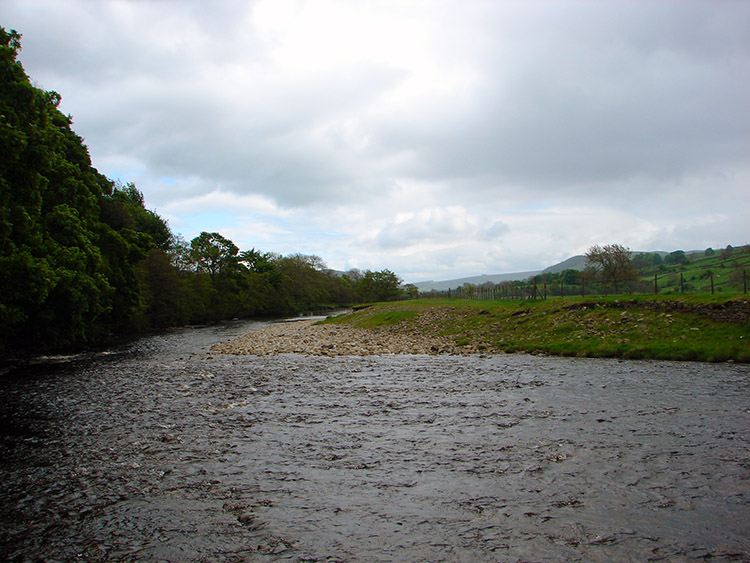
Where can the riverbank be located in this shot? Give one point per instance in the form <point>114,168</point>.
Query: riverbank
<point>699,328</point>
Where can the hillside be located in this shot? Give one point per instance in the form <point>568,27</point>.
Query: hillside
<point>701,271</point>
<point>577,262</point>
<point>697,266</point>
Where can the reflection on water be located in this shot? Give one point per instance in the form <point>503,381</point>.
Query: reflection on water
<point>162,450</point>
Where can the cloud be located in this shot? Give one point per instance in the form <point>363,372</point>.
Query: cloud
<point>497,230</point>
<point>432,226</point>
<point>436,139</point>
<point>585,97</point>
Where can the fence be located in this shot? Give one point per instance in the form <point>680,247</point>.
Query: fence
<point>535,289</point>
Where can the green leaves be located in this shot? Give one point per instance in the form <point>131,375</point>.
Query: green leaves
<point>378,286</point>
<point>213,254</point>
<point>55,284</point>
<point>613,262</point>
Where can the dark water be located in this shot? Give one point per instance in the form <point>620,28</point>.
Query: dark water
<point>163,451</point>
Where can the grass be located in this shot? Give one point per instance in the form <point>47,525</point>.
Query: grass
<point>696,272</point>
<point>655,327</point>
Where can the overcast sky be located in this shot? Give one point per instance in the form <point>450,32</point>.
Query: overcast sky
<point>435,139</point>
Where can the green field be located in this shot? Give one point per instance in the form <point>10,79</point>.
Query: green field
<point>728,268</point>
<point>699,327</point>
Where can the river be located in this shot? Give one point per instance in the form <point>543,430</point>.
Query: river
<point>160,450</point>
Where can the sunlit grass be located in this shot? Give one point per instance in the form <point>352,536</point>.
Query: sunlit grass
<point>653,327</point>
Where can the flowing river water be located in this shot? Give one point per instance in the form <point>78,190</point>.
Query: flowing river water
<point>163,451</point>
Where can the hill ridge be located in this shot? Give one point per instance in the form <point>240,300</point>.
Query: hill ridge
<point>575,262</point>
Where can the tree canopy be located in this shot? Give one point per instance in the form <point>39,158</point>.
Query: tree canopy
<point>213,254</point>
<point>612,262</point>
<point>65,272</point>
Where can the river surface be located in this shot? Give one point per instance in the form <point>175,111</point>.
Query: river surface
<point>162,451</point>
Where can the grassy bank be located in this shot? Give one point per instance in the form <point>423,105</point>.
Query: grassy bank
<point>699,327</point>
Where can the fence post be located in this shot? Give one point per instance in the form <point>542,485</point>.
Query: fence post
<point>744,280</point>
<point>656,286</point>
<point>712,283</point>
<point>681,286</point>
<point>562,287</point>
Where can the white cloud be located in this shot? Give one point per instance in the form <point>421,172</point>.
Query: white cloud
<point>431,226</point>
<point>437,139</point>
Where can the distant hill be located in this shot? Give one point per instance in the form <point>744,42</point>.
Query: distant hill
<point>476,280</point>
<point>577,262</point>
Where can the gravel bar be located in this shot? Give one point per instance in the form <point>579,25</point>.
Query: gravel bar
<point>307,337</point>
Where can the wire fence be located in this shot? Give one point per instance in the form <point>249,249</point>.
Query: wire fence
<point>536,288</point>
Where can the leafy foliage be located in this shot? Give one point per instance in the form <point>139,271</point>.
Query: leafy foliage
<point>612,263</point>
<point>213,254</point>
<point>53,273</point>
<point>379,286</point>
<point>676,257</point>
<point>81,257</point>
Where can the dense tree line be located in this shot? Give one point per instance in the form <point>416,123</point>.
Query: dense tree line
<point>81,258</point>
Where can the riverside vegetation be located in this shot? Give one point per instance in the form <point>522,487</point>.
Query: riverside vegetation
<point>82,259</point>
<point>698,327</point>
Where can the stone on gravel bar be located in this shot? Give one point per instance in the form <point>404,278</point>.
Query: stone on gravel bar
<point>306,337</point>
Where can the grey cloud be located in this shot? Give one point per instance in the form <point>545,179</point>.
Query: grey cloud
<point>636,106</point>
<point>698,233</point>
<point>497,230</point>
<point>111,41</point>
<point>628,98</point>
<point>283,144</point>
<point>451,225</point>
<point>569,94</point>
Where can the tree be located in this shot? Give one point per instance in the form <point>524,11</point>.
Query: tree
<point>179,254</point>
<point>213,254</point>
<point>354,274</point>
<point>645,261</point>
<point>256,261</point>
<point>379,286</point>
<point>676,257</point>
<point>142,220</point>
<point>65,275</point>
<point>411,291</point>
<point>303,283</point>
<point>612,262</point>
<point>165,292</point>
<point>587,276</point>
<point>569,276</point>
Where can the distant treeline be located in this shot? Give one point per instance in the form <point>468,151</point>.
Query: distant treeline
<point>81,258</point>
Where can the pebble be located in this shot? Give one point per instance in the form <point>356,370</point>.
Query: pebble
<point>306,337</point>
